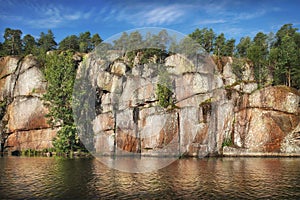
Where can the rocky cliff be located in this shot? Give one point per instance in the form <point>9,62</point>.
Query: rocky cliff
<point>212,110</point>
<point>23,122</point>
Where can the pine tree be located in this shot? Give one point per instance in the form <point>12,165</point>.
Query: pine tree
<point>46,42</point>
<point>85,42</point>
<point>257,53</point>
<point>219,45</point>
<point>205,38</point>
<point>228,48</point>
<point>135,41</point>
<point>69,43</point>
<point>29,44</point>
<point>2,53</point>
<point>122,42</point>
<point>284,57</point>
<point>95,41</point>
<point>243,46</point>
<point>287,58</point>
<point>12,42</point>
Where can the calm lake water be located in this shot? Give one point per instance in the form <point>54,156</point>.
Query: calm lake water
<point>214,178</point>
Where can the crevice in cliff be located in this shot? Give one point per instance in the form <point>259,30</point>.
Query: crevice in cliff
<point>29,96</point>
<point>179,138</point>
<point>33,129</point>
<point>17,74</point>
<point>267,109</point>
<point>135,116</point>
<point>5,76</point>
<point>115,133</point>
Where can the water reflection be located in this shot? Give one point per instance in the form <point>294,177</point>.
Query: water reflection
<point>222,178</point>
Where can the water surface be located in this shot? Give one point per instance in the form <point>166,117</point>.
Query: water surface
<point>214,178</point>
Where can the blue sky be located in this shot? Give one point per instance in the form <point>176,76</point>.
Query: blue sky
<point>66,17</point>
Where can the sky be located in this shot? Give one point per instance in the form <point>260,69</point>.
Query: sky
<point>107,18</point>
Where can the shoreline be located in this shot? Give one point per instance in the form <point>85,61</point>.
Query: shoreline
<point>227,152</point>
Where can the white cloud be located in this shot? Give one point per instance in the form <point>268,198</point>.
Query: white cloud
<point>211,21</point>
<point>247,16</point>
<point>145,14</point>
<point>161,15</point>
<point>52,16</point>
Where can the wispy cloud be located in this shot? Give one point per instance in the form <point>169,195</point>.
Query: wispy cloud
<point>45,16</point>
<point>146,14</point>
<point>249,15</point>
<point>211,21</point>
<point>161,15</point>
<point>55,16</point>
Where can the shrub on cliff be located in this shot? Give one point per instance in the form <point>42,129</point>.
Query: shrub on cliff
<point>163,90</point>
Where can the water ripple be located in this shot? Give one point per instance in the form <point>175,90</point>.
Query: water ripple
<point>222,178</point>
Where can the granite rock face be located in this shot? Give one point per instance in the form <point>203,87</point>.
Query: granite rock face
<point>213,111</point>
<point>23,122</point>
<point>213,108</point>
<point>265,118</point>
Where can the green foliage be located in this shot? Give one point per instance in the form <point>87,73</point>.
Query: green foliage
<point>69,43</point>
<point>164,95</point>
<point>164,86</point>
<point>188,47</point>
<point>29,44</point>
<point>228,48</point>
<point>150,53</point>
<point>284,57</point>
<point>95,41</point>
<point>85,42</point>
<point>205,37</point>
<point>287,58</point>
<point>257,53</point>
<point>46,42</point>
<point>2,53</point>
<point>67,139</point>
<point>12,42</point>
<point>122,42</point>
<point>134,41</point>
<point>227,142</point>
<point>286,29</point>
<point>238,67</point>
<point>243,46</point>
<point>60,72</point>
<point>219,45</point>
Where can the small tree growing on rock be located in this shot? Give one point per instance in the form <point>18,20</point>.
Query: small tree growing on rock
<point>163,91</point>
